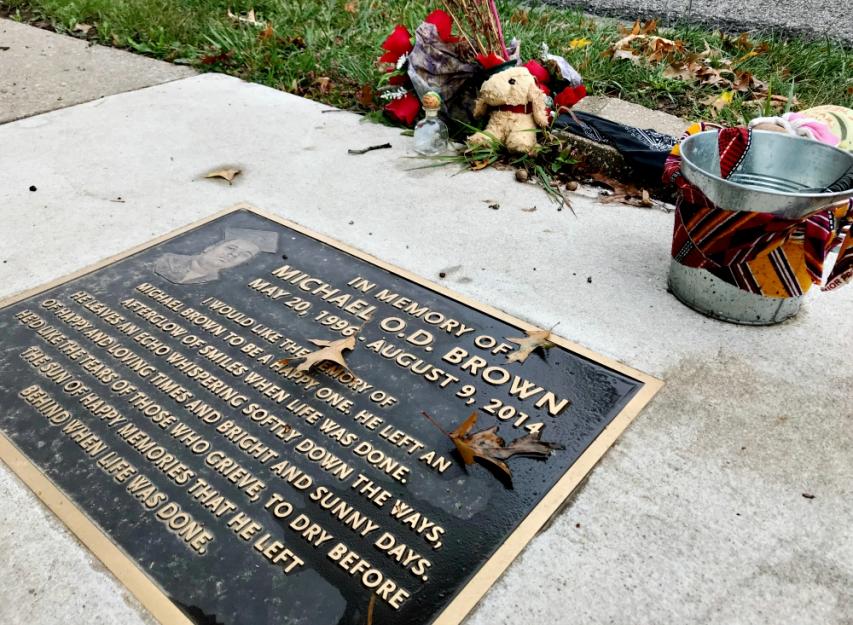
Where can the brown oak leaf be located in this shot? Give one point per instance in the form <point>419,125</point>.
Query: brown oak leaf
<point>226,174</point>
<point>329,350</point>
<point>534,340</point>
<point>488,446</point>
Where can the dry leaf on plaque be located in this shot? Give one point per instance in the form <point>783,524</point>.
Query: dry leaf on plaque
<point>370,606</point>
<point>329,350</point>
<point>535,339</point>
<point>225,174</point>
<point>488,446</point>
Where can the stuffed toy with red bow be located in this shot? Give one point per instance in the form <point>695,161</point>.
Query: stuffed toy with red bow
<point>516,107</point>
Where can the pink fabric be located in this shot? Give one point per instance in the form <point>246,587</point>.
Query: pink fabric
<point>820,130</point>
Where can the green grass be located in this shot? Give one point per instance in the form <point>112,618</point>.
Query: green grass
<point>318,39</point>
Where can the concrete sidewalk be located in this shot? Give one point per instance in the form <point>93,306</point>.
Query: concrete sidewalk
<point>42,71</point>
<point>696,516</point>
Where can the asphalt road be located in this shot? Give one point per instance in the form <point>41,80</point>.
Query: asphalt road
<point>811,18</point>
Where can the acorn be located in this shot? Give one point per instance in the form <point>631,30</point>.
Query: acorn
<point>521,175</point>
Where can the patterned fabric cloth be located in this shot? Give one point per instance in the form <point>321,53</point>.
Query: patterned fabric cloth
<point>839,120</point>
<point>756,252</point>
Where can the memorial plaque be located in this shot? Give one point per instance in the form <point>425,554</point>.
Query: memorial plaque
<point>251,423</point>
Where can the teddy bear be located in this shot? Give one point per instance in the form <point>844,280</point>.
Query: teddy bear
<point>517,107</point>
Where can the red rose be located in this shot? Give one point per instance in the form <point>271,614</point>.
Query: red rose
<point>397,44</point>
<point>570,96</point>
<point>490,61</point>
<point>404,110</point>
<point>539,73</point>
<point>443,24</point>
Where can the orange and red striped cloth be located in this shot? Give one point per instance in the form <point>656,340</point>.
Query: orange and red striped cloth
<point>756,252</point>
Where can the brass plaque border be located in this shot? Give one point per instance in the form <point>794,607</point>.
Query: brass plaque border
<point>150,595</point>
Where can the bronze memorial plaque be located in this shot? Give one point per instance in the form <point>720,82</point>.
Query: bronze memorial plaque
<point>250,423</point>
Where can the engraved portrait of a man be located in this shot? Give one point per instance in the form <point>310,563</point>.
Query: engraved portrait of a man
<point>239,245</point>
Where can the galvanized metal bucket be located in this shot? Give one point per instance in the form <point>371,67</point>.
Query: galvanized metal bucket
<point>704,292</point>
<point>780,174</point>
<point>783,175</point>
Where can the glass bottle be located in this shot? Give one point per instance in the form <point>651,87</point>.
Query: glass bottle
<point>431,133</point>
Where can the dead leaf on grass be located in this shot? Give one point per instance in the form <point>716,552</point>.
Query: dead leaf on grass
<point>226,174</point>
<point>267,33</point>
<point>249,18</point>
<point>219,57</point>
<point>535,339</point>
<point>651,48</point>
<point>521,16</point>
<point>637,28</point>
<point>365,95</point>
<point>718,103</point>
<point>82,28</point>
<point>324,84</point>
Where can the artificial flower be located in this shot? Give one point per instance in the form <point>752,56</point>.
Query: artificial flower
<point>398,44</point>
<point>404,110</point>
<point>539,73</point>
<point>569,96</point>
<point>490,61</point>
<point>443,24</point>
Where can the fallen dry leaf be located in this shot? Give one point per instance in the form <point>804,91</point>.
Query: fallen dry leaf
<point>575,44</point>
<point>267,33</point>
<point>324,84</point>
<point>370,606</point>
<point>638,28</point>
<point>219,57</point>
<point>249,18</point>
<point>329,350</point>
<point>82,28</point>
<point>225,174</point>
<point>521,16</point>
<point>535,339</point>
<point>718,103</point>
<point>488,446</point>
<point>365,95</point>
<point>623,193</point>
<point>637,47</point>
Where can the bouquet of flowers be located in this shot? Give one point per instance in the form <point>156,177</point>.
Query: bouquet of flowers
<point>455,65</point>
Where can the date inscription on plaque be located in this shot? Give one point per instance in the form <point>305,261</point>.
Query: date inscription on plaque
<point>251,423</point>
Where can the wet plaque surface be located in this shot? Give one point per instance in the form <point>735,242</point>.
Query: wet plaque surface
<point>228,472</point>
